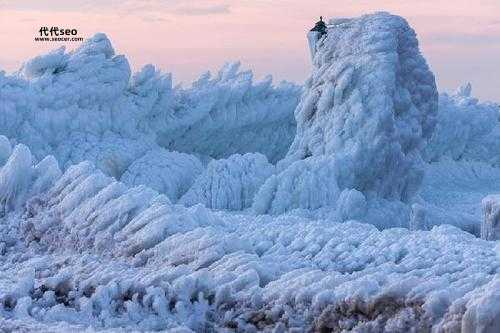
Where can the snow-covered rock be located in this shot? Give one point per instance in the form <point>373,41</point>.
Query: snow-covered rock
<point>370,103</point>
<point>490,228</point>
<point>351,205</point>
<point>229,183</point>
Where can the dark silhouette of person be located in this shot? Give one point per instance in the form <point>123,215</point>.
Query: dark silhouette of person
<point>320,27</point>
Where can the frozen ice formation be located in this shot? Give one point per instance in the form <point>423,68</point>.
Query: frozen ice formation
<point>229,183</point>
<point>306,184</point>
<point>466,129</point>
<point>90,251</point>
<point>86,105</point>
<point>490,228</point>
<point>370,104</point>
<point>143,206</point>
<point>20,178</point>
<point>228,113</point>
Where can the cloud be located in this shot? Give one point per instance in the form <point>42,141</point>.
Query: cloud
<point>203,10</point>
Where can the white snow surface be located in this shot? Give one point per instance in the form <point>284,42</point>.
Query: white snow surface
<point>128,204</point>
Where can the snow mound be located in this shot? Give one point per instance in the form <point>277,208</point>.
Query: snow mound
<point>490,228</point>
<point>371,104</point>
<point>170,173</point>
<point>85,209</point>
<point>48,63</point>
<point>229,183</point>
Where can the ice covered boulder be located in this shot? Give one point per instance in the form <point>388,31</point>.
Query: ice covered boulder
<point>230,183</point>
<point>306,184</point>
<point>351,205</point>
<point>167,172</point>
<point>370,104</point>
<point>490,228</point>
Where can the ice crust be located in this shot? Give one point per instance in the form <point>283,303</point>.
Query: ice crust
<point>143,206</point>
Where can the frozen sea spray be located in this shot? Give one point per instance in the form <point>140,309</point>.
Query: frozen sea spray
<point>370,103</point>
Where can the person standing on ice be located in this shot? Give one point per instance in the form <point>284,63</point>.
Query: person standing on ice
<point>315,34</point>
<point>320,27</point>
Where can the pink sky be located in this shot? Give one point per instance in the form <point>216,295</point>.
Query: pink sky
<point>459,38</point>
